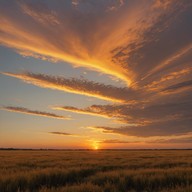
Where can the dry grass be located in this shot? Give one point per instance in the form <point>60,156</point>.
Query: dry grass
<point>96,171</point>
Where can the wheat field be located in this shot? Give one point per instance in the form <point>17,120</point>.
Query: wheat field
<point>96,171</point>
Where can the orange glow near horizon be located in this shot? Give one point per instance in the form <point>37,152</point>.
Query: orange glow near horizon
<point>95,145</point>
<point>96,148</point>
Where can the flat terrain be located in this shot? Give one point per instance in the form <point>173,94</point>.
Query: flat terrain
<point>96,171</point>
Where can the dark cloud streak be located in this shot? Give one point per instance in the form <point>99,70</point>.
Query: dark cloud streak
<point>33,112</point>
<point>61,133</point>
<point>78,86</point>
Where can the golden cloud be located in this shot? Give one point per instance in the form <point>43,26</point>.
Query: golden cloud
<point>77,86</point>
<point>68,35</point>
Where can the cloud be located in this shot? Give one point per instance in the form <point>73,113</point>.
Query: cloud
<point>147,44</point>
<point>181,140</point>
<point>33,112</point>
<point>107,111</point>
<point>93,110</point>
<point>179,86</point>
<point>84,33</point>
<point>168,128</point>
<point>139,113</point>
<point>167,140</point>
<point>62,133</point>
<point>77,86</point>
<point>154,56</point>
<point>172,76</point>
<point>116,141</point>
<point>170,60</point>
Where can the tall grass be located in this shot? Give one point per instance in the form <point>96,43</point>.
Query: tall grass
<point>96,171</point>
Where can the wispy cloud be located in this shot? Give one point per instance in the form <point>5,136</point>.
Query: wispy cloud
<point>167,78</point>
<point>77,86</point>
<point>33,112</point>
<point>117,141</point>
<point>139,114</point>
<point>62,133</point>
<point>168,128</point>
<point>93,110</point>
<point>94,31</point>
<point>179,86</point>
<point>171,59</point>
<point>181,141</point>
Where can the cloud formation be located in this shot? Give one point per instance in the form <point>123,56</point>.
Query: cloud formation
<point>179,86</point>
<point>165,140</point>
<point>77,86</point>
<point>33,112</point>
<point>174,140</point>
<point>116,141</point>
<point>147,44</point>
<point>141,113</point>
<point>92,110</point>
<point>94,34</point>
<point>62,133</point>
<point>168,128</point>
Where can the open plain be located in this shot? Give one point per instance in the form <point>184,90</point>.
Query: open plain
<point>96,170</point>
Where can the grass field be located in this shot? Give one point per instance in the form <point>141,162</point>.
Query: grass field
<point>96,171</point>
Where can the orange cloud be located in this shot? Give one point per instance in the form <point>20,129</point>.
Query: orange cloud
<point>162,83</point>
<point>77,86</point>
<point>93,110</point>
<point>117,141</point>
<point>68,35</point>
<point>179,87</point>
<point>119,112</point>
<point>171,59</point>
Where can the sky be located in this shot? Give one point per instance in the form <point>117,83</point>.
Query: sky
<point>87,74</point>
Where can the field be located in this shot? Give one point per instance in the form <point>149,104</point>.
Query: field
<point>96,171</point>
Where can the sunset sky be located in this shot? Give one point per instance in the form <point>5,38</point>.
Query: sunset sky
<point>96,74</point>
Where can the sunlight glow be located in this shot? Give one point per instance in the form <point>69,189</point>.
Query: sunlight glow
<point>96,147</point>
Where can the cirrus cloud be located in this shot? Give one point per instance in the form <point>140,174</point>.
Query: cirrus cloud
<point>33,112</point>
<point>77,86</point>
<point>94,34</point>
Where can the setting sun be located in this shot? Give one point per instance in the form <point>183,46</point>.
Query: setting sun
<point>96,147</point>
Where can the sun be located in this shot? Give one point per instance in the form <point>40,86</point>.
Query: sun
<point>94,144</point>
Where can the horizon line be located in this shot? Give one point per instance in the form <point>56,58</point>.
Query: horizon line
<point>81,149</point>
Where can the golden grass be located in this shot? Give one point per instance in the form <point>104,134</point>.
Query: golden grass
<point>96,171</point>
